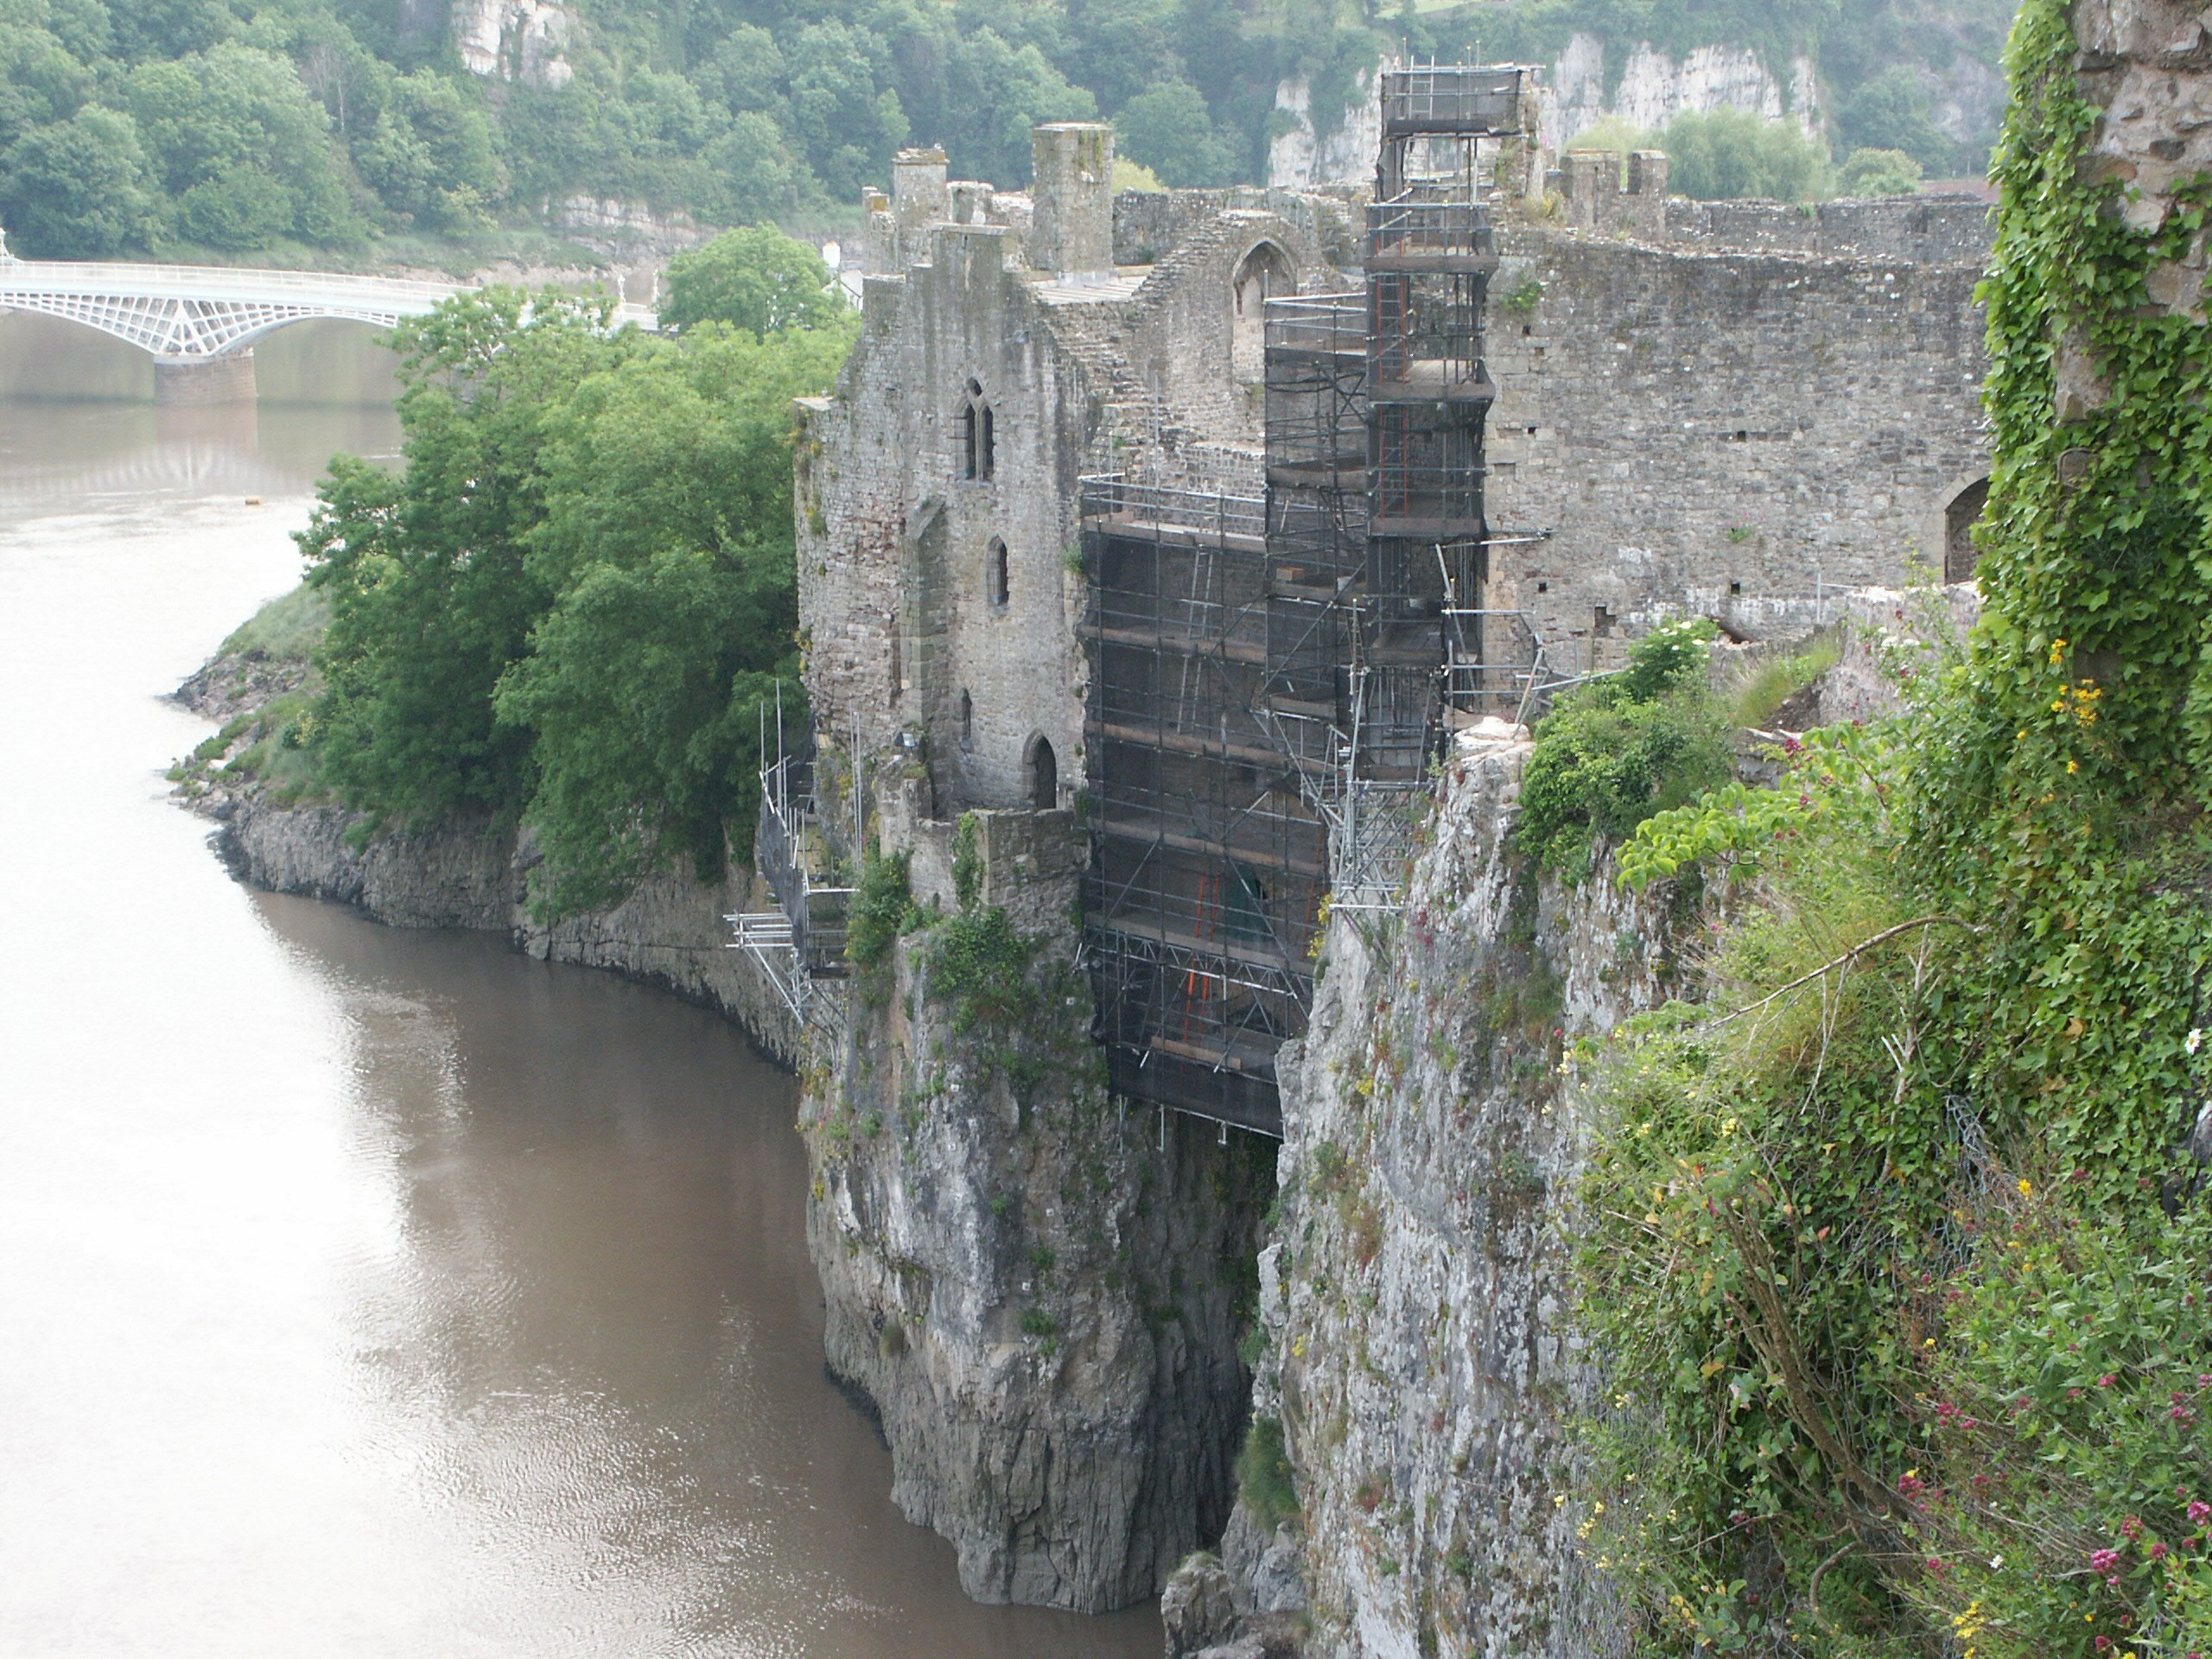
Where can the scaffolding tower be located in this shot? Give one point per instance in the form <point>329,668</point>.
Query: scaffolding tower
<point>1271,678</point>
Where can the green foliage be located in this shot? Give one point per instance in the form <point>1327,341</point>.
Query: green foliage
<point>1169,130</point>
<point>297,122</point>
<point>1727,153</point>
<point>967,862</point>
<point>572,604</point>
<point>1621,748</point>
<point>78,188</point>
<point>1899,1263</point>
<point>758,280</point>
<point>2065,1495</point>
<point>1893,110</point>
<point>1264,1485</point>
<point>881,908</point>
<point>980,966</point>
<point>1754,703</point>
<point>1878,173</point>
<point>286,630</point>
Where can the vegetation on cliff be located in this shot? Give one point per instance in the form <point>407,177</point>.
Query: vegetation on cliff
<point>304,129</point>
<point>1895,1241</point>
<point>574,601</point>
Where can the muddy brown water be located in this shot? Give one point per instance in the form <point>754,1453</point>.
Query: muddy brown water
<point>369,1292</point>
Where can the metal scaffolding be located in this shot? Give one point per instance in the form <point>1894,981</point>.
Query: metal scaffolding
<point>1271,680</point>
<point>801,943</point>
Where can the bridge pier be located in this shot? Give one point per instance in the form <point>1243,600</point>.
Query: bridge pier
<point>194,382</point>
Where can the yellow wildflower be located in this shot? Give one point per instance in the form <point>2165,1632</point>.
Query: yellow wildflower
<point>2026,1187</point>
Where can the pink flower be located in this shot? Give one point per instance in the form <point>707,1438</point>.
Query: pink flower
<point>2158,1551</point>
<point>2103,1561</point>
<point>2107,1380</point>
<point>2199,1513</point>
<point>2132,1527</point>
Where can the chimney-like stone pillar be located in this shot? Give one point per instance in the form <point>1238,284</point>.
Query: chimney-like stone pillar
<point>918,200</point>
<point>1647,172</point>
<point>1593,182</point>
<point>1072,193</point>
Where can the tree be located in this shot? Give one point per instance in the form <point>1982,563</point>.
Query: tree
<point>1730,153</point>
<point>237,208</point>
<point>77,189</point>
<point>431,593</point>
<point>431,155</point>
<point>207,116</point>
<point>751,173</point>
<point>1878,173</point>
<point>40,82</point>
<point>1170,131</point>
<point>757,279</point>
<point>1892,111</point>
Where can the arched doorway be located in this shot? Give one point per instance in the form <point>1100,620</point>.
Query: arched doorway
<point>1264,273</point>
<point>1959,519</point>
<point>1041,770</point>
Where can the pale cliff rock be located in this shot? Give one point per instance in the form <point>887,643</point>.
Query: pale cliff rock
<point>1654,87</point>
<point>1303,155</point>
<point>1414,1285</point>
<point>513,39</point>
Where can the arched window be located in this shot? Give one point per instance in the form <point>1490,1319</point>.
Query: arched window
<point>1042,768</point>
<point>1958,520</point>
<point>1263,274</point>
<point>995,574</point>
<point>978,436</point>
<point>967,720</point>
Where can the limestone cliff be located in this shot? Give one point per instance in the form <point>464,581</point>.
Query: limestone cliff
<point>513,39</point>
<point>1415,1278</point>
<point>1039,1292</point>
<point>470,874</point>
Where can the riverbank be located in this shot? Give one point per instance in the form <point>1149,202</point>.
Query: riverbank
<point>671,932</point>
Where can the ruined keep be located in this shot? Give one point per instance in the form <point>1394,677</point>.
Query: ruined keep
<point>1150,550</point>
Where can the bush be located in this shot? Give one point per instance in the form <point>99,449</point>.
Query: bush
<point>1620,749</point>
<point>1878,173</point>
<point>1730,153</point>
<point>980,964</point>
<point>1264,1485</point>
<point>882,907</point>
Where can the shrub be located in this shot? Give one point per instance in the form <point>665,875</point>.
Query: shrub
<point>980,964</point>
<point>1264,1485</point>
<point>881,908</point>
<point>1620,749</point>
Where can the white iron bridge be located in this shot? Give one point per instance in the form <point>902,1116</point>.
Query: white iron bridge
<point>198,314</point>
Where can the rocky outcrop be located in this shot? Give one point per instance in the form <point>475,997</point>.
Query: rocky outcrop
<point>473,873</point>
<point>1038,1290</point>
<point>513,39</point>
<point>1414,1283</point>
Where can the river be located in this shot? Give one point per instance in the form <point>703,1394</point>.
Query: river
<point>368,1292</point>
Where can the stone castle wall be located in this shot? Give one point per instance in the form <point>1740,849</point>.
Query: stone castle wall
<point>1727,433</point>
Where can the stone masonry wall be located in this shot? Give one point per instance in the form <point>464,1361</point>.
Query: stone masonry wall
<point>1725,433</point>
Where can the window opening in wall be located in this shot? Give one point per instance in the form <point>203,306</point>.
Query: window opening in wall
<point>1044,768</point>
<point>995,576</point>
<point>1263,274</point>
<point>978,436</point>
<point>1736,588</point>
<point>967,722</point>
<point>1601,623</point>
<point>1958,520</point>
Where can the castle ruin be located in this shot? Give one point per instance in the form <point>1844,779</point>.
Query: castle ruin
<point>1149,547</point>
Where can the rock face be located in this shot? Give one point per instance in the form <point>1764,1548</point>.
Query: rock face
<point>1415,1278</point>
<point>513,39</point>
<point>1303,155</point>
<point>1039,1293</point>
<point>670,932</point>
